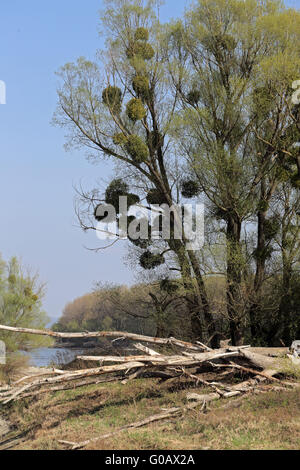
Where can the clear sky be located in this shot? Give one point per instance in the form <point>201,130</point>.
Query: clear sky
<point>36,174</point>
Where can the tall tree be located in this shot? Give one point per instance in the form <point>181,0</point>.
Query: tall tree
<point>123,109</point>
<point>21,297</point>
<point>232,64</point>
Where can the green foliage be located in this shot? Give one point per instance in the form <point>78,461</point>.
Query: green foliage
<point>263,254</point>
<point>155,196</point>
<point>263,99</point>
<point>112,97</point>
<point>140,85</point>
<point>190,188</point>
<point>263,206</point>
<point>132,199</point>
<point>217,43</point>
<point>137,149</point>
<point>141,50</point>
<point>238,59</point>
<point>135,110</point>
<point>146,51</point>
<point>228,42</point>
<point>282,174</point>
<point>119,139</point>
<point>272,227</point>
<point>117,188</point>
<point>150,260</point>
<point>295,180</point>
<point>21,306</point>
<point>194,96</point>
<point>141,34</point>
<point>140,243</point>
<point>169,286</point>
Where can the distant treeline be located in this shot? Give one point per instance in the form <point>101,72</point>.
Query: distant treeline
<point>150,310</point>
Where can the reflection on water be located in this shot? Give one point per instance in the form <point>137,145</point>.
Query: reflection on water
<point>44,357</point>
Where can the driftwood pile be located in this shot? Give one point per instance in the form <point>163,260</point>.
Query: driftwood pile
<point>191,360</point>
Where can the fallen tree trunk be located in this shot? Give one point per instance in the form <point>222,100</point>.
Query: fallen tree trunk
<point>121,359</point>
<point>70,376</point>
<point>151,364</point>
<point>72,386</point>
<point>191,359</point>
<point>105,334</point>
<point>148,351</point>
<point>144,362</point>
<point>246,369</point>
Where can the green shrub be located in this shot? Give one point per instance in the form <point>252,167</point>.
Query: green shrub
<point>150,260</point>
<point>141,49</point>
<point>141,34</point>
<point>168,286</point>
<point>116,189</point>
<point>295,180</point>
<point>137,149</point>
<point>119,139</point>
<point>272,227</point>
<point>135,110</point>
<point>132,199</point>
<point>155,196</point>
<point>140,85</point>
<point>21,298</point>
<point>193,96</point>
<point>112,97</point>
<point>190,188</point>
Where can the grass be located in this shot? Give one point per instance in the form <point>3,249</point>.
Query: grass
<point>289,369</point>
<point>14,364</point>
<point>265,421</point>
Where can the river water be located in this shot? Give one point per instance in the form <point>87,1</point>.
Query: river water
<point>44,357</point>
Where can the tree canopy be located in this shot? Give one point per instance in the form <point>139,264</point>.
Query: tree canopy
<point>201,108</point>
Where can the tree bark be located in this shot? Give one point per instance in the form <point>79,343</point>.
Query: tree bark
<point>234,278</point>
<point>259,276</point>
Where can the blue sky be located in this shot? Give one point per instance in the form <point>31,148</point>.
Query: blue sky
<point>36,174</point>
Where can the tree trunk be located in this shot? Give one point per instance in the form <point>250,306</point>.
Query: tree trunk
<point>259,276</point>
<point>214,338</point>
<point>234,278</point>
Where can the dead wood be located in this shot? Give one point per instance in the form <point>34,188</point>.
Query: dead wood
<point>158,417</point>
<point>146,350</point>
<point>105,334</point>
<point>149,364</point>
